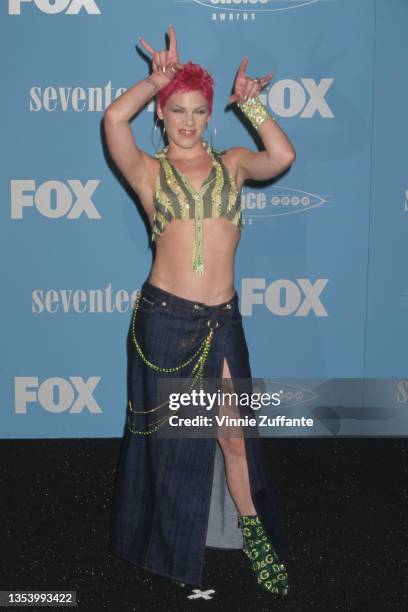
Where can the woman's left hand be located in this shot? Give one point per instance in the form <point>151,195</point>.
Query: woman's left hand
<point>245,87</point>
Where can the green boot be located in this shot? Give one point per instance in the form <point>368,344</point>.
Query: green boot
<point>271,574</point>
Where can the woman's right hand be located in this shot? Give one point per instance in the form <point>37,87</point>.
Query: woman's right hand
<point>165,63</point>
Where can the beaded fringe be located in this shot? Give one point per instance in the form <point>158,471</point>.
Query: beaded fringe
<point>198,255</point>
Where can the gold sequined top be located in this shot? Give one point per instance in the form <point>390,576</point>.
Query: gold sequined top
<point>176,198</point>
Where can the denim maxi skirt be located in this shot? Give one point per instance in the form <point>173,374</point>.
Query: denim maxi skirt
<point>171,499</point>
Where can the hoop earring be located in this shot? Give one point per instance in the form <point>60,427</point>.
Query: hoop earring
<point>210,134</point>
<point>153,135</point>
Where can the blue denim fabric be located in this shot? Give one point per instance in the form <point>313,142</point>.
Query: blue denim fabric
<point>161,504</point>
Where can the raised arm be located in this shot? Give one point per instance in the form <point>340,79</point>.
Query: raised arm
<point>279,152</point>
<point>132,161</point>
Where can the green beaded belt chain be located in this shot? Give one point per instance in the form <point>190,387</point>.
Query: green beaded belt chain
<point>204,349</point>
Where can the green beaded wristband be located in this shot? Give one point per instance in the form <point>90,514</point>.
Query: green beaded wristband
<point>255,111</point>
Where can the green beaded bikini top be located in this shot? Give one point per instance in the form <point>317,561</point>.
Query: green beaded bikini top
<point>175,198</point>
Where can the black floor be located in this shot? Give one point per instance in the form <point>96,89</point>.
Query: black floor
<point>344,517</point>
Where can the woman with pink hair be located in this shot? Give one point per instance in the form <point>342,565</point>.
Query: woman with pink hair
<point>175,494</point>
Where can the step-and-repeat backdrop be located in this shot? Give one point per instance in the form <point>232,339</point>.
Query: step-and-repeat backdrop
<point>322,266</point>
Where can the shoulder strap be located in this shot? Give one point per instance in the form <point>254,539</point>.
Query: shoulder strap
<point>161,153</point>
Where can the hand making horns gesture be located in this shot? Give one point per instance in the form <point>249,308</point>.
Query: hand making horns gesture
<point>245,87</point>
<point>166,63</point>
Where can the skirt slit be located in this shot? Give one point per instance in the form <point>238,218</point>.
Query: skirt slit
<point>171,498</point>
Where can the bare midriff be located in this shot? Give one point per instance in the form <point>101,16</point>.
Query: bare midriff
<point>171,269</point>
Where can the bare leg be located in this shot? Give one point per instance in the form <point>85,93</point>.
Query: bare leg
<point>271,574</point>
<point>236,467</point>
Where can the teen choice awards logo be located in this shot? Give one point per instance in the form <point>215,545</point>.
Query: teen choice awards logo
<point>269,6</point>
<point>279,201</point>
